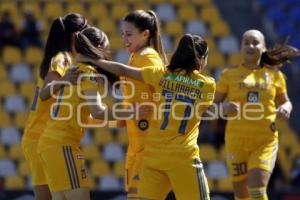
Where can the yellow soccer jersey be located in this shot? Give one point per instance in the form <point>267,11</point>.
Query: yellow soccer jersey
<point>172,137</point>
<point>255,90</point>
<point>69,114</point>
<point>140,92</point>
<point>40,110</point>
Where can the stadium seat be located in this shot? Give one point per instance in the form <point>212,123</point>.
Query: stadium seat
<point>20,119</point>
<point>113,152</point>
<point>76,7</point>
<point>167,42</point>
<point>228,45</point>
<point>98,11</point>
<point>174,28</point>
<point>2,152</point>
<point>3,74</point>
<point>15,152</point>
<point>34,55</point>
<point>109,183</point>
<point>5,119</point>
<point>207,152</point>
<point>23,168</point>
<point>209,14</point>
<point>99,168</point>
<point>87,138</point>
<point>202,2</point>
<point>165,12</point>
<point>108,26</point>
<point>217,169</point>
<point>196,27</point>
<point>222,153</point>
<point>7,168</point>
<point>20,73</point>
<point>103,136</point>
<point>14,183</point>
<point>211,43</point>
<point>7,88</point>
<point>53,9</point>
<point>224,185</point>
<point>219,28</point>
<point>10,136</point>
<point>187,12</point>
<point>116,42</point>
<point>122,137</point>
<point>27,90</point>
<point>9,6</point>
<point>14,104</point>
<point>11,55</point>
<point>156,1</point>
<point>119,169</point>
<point>32,7</point>
<point>216,59</point>
<point>119,11</point>
<point>141,6</point>
<point>91,152</point>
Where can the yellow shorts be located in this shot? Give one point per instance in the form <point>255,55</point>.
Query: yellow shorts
<point>64,168</point>
<point>37,172</point>
<point>187,181</point>
<point>245,153</point>
<point>132,175</point>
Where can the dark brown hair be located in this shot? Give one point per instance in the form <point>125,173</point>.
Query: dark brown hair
<point>190,50</point>
<point>59,38</point>
<point>147,20</point>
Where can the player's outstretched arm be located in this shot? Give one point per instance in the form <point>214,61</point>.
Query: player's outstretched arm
<point>116,68</point>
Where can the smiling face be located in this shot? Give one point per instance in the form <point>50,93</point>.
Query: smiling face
<point>253,45</point>
<point>133,38</point>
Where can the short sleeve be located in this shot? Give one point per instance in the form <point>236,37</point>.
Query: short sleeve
<point>280,83</point>
<point>222,85</point>
<point>60,63</point>
<point>152,75</point>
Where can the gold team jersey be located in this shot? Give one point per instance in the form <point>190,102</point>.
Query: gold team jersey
<point>255,91</point>
<point>70,113</point>
<point>172,137</point>
<point>140,92</point>
<point>40,110</point>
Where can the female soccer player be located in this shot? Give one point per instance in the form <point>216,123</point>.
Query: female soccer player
<point>53,66</point>
<point>257,95</point>
<point>142,38</point>
<point>171,154</point>
<point>59,145</point>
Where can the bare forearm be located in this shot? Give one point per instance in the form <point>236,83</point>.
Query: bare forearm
<point>50,89</point>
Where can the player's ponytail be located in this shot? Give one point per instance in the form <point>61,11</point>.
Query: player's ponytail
<point>278,55</point>
<point>190,50</point>
<point>155,36</point>
<point>55,43</point>
<point>59,38</point>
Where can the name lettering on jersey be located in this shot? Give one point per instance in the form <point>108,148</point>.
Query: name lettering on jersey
<point>171,85</point>
<point>184,79</point>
